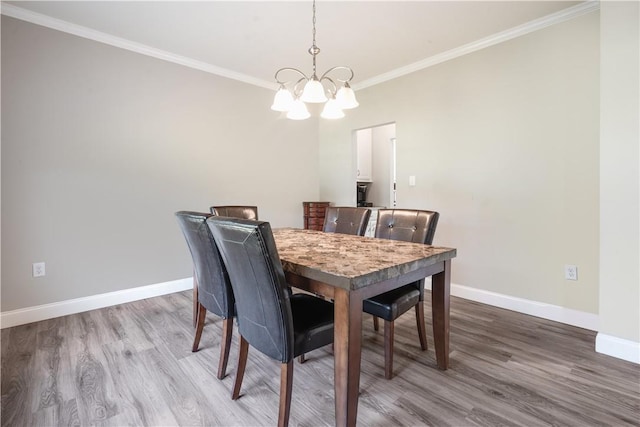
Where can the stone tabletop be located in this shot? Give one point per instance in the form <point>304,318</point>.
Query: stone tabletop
<point>350,261</point>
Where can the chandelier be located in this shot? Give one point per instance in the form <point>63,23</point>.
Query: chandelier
<point>293,94</point>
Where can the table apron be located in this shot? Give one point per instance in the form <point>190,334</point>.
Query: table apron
<point>328,291</point>
<point>396,282</point>
<point>310,285</point>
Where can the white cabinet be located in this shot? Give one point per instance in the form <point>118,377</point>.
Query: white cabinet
<point>364,155</point>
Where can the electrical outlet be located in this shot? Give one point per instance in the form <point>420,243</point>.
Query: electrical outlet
<point>571,272</point>
<point>38,269</point>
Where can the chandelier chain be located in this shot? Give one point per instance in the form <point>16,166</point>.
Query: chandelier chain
<point>314,49</point>
<point>314,23</point>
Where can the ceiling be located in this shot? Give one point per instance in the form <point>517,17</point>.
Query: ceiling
<point>251,40</point>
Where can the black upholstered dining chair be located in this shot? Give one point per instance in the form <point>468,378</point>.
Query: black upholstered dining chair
<point>407,225</point>
<point>211,281</point>
<point>246,212</point>
<point>346,220</point>
<point>278,324</point>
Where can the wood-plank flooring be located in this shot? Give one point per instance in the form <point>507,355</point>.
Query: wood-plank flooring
<point>131,365</point>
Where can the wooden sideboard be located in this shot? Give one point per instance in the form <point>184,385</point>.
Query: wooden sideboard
<point>314,214</point>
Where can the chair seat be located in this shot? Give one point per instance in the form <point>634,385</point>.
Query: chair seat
<point>312,323</point>
<point>390,305</point>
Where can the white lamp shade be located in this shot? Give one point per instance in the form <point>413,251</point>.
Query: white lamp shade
<point>313,92</point>
<point>332,110</point>
<point>346,97</point>
<point>298,111</point>
<point>283,100</point>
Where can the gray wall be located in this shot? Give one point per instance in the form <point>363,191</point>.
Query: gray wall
<point>504,143</point>
<point>100,146</point>
<point>620,171</point>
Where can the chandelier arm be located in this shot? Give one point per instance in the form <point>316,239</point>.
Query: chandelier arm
<point>335,87</point>
<point>304,77</point>
<point>339,67</point>
<point>297,89</point>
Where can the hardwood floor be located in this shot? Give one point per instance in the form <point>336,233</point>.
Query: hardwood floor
<point>132,364</point>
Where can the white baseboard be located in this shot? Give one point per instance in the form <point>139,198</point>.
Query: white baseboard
<point>605,344</point>
<point>556,313</point>
<point>618,347</point>
<point>78,305</point>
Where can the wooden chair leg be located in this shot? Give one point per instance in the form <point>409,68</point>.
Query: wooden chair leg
<point>375,323</point>
<point>301,358</point>
<point>201,316</point>
<point>225,346</point>
<point>388,349</point>
<point>242,363</point>
<point>286,386</point>
<point>422,333</point>
<point>195,301</point>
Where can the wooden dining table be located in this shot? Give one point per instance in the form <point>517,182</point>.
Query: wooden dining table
<point>349,269</point>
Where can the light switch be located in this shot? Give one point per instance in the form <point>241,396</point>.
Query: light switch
<point>412,181</point>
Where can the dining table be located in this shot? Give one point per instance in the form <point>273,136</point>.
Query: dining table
<point>348,269</point>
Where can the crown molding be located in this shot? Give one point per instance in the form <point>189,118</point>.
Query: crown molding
<point>80,31</point>
<point>531,26</point>
<point>88,33</point>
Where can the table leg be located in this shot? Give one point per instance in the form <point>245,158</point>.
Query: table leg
<point>347,352</point>
<point>440,295</point>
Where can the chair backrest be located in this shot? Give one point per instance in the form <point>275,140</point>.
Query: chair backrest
<point>346,220</point>
<point>246,212</point>
<point>263,308</point>
<point>214,287</point>
<point>408,225</point>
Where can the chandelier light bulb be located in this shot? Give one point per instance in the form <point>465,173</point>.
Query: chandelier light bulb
<point>313,92</point>
<point>332,110</point>
<point>283,100</point>
<point>298,111</point>
<point>346,97</point>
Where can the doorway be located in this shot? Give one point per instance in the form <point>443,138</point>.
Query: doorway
<point>376,165</point>
<point>393,196</point>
